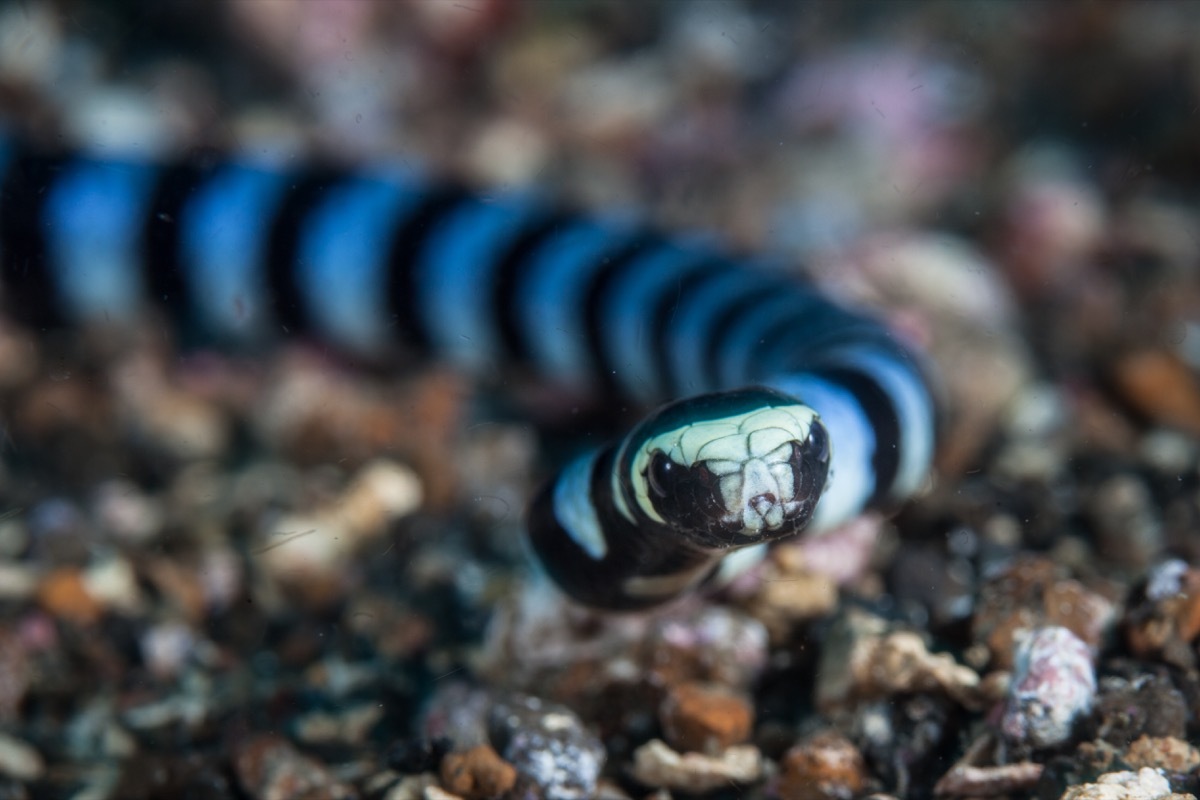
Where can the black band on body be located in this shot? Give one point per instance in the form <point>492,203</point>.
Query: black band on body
<point>615,265</point>
<point>30,292</point>
<point>664,310</point>
<point>162,271</point>
<point>745,305</point>
<point>633,551</point>
<point>508,275</point>
<point>405,255</point>
<point>283,246</point>
<point>885,423</point>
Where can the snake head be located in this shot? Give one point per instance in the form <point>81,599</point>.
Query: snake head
<point>730,469</point>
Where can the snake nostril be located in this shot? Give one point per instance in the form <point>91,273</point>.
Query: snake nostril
<point>762,503</point>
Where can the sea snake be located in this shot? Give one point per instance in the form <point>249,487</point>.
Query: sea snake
<point>784,410</point>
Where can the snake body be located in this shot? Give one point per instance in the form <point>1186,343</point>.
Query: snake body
<point>784,410</point>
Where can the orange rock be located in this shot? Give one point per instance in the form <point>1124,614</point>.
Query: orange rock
<point>477,774</point>
<point>1164,628</point>
<point>1166,753</point>
<point>823,767</point>
<point>705,717</point>
<point>1161,386</point>
<point>64,594</point>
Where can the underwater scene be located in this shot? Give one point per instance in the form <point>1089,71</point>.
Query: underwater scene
<point>573,399</point>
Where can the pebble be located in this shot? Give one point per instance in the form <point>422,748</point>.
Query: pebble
<point>1148,705</point>
<point>1163,617</point>
<point>1166,753</point>
<point>113,584</point>
<point>351,725</point>
<point>825,766</point>
<point>1053,685</point>
<point>705,718</point>
<point>1161,386</point>
<point>1000,780</point>
<point>411,787</point>
<point>1031,592</point>
<point>477,774</point>
<point>166,648</point>
<point>308,551</point>
<point>127,513</point>
<point>268,767</point>
<point>1145,784</point>
<point>860,660</point>
<point>64,594</point>
<point>549,744</point>
<point>19,759</point>
<point>18,581</point>
<point>655,764</point>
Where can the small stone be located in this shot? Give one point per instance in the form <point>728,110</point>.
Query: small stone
<point>861,661</point>
<point>20,760</point>
<point>1163,618</point>
<point>1166,753</point>
<point>1149,705</point>
<point>381,492</point>
<point>350,725</point>
<point>549,744</point>
<point>477,774</point>
<point>308,551</point>
<point>1162,386</point>
<point>64,594</point>
<point>964,780</point>
<point>826,766</point>
<point>705,718</point>
<point>18,581</point>
<point>114,585</point>
<point>166,648</point>
<point>1145,784</point>
<point>411,787</point>
<point>656,764</point>
<point>270,768</point>
<point>1053,684</point>
<point>127,513</point>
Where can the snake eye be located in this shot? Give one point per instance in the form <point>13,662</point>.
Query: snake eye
<point>818,444</point>
<point>660,474</point>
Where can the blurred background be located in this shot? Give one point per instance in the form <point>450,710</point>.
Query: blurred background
<point>200,546</point>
